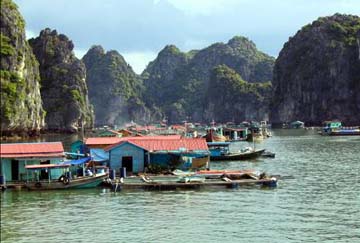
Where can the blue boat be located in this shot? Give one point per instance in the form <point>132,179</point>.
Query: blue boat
<point>335,128</point>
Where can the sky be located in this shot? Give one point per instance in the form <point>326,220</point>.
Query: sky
<point>139,29</point>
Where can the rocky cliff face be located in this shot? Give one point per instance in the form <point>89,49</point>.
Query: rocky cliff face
<point>317,74</point>
<point>114,88</point>
<point>183,78</point>
<point>21,106</point>
<point>230,98</point>
<point>63,87</point>
<point>159,75</point>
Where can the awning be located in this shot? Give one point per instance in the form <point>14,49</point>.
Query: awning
<point>46,166</point>
<point>77,162</point>
<point>99,155</point>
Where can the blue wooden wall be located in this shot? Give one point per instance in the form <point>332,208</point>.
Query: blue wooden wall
<point>127,149</point>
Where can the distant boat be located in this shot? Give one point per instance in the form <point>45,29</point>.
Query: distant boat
<point>220,152</point>
<point>335,128</point>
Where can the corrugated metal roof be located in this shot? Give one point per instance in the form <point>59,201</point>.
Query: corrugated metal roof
<point>182,144</point>
<point>102,140</point>
<point>22,150</point>
<point>115,140</point>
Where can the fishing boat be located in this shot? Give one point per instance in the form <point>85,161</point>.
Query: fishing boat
<point>219,151</point>
<point>215,135</point>
<point>59,176</point>
<point>335,128</point>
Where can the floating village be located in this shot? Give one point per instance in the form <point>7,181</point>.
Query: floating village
<point>152,157</point>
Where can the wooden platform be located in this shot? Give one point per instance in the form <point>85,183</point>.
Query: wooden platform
<point>173,185</point>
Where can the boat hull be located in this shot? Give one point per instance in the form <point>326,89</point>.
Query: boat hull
<point>238,156</point>
<point>81,183</point>
<point>352,133</point>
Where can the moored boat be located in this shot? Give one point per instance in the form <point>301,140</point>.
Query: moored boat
<point>238,156</point>
<point>59,176</point>
<point>335,128</point>
<point>220,151</point>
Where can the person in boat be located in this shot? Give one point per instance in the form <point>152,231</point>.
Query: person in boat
<point>88,172</point>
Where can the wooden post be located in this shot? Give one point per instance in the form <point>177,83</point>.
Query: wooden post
<point>25,162</point>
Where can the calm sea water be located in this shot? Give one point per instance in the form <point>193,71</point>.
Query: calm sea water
<point>321,203</point>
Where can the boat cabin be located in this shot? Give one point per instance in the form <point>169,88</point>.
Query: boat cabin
<point>218,148</point>
<point>235,134</point>
<point>332,124</point>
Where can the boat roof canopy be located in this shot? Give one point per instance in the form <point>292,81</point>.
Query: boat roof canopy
<point>77,162</point>
<point>46,166</point>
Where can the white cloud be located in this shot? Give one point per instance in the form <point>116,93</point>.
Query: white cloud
<point>204,7</point>
<point>139,60</point>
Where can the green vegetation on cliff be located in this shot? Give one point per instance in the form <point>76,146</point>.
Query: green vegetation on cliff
<point>21,106</point>
<point>316,76</point>
<point>63,86</point>
<point>177,83</point>
<point>114,89</point>
<point>230,98</point>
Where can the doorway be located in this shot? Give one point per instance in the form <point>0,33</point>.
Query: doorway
<point>14,170</point>
<point>44,173</point>
<point>127,161</point>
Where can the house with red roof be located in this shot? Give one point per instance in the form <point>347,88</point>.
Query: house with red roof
<point>136,154</point>
<point>15,156</point>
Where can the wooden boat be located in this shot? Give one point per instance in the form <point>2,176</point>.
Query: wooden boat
<point>238,156</point>
<point>199,162</point>
<point>213,135</point>
<point>65,181</point>
<point>220,151</point>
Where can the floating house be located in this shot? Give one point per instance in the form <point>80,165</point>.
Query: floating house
<point>15,156</point>
<point>136,154</point>
<point>96,145</point>
<point>110,133</point>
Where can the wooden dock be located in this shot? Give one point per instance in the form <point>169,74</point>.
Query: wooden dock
<point>173,185</point>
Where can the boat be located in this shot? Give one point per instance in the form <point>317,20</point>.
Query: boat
<point>219,151</point>
<point>59,176</point>
<point>215,135</point>
<point>335,128</point>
